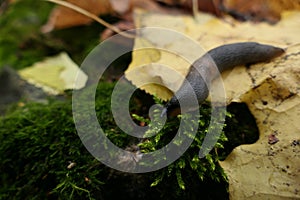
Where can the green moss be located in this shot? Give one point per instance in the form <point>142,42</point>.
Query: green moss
<point>39,142</point>
<point>22,43</point>
<point>20,25</point>
<point>189,171</point>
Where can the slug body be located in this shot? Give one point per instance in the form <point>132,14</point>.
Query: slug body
<point>209,66</point>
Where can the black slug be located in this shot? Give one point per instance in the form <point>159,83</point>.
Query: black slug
<point>202,71</point>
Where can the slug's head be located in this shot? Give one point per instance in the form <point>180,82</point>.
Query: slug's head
<point>190,95</point>
<point>170,106</point>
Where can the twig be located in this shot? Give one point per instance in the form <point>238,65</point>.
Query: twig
<point>195,8</point>
<point>92,16</point>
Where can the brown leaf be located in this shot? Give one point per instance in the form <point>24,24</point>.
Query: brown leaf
<point>260,10</point>
<point>62,17</point>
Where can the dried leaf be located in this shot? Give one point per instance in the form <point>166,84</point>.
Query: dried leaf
<point>263,170</point>
<point>65,17</point>
<point>62,17</point>
<point>259,10</point>
<point>209,32</point>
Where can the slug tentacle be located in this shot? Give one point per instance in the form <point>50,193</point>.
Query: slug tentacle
<point>205,69</point>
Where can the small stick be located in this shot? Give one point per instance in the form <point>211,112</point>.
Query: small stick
<point>195,8</point>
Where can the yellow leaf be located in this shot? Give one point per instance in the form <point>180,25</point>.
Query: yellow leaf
<point>209,32</point>
<point>55,74</point>
<point>263,170</point>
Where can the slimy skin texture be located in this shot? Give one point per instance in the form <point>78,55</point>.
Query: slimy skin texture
<point>204,70</point>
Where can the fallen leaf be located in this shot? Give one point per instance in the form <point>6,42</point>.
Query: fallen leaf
<point>259,10</point>
<point>209,32</point>
<point>55,74</point>
<point>62,17</point>
<point>263,170</point>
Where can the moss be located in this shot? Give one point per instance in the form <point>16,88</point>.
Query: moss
<point>22,43</point>
<point>39,142</point>
<point>191,177</point>
<point>19,29</point>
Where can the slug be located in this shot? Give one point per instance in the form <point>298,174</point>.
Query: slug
<point>202,72</point>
